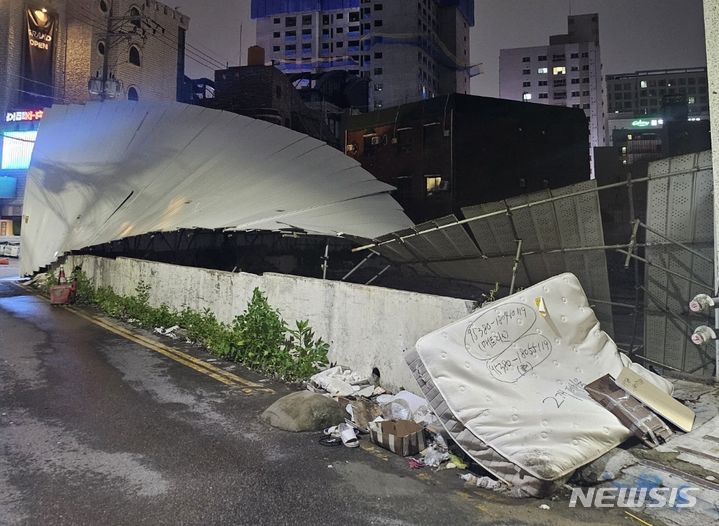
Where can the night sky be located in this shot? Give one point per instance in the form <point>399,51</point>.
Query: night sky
<point>635,34</point>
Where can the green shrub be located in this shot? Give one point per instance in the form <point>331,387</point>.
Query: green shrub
<point>259,338</point>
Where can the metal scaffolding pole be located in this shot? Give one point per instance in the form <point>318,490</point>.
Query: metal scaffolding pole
<point>517,259</point>
<point>508,209</point>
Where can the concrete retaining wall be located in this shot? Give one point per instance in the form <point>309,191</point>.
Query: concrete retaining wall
<point>366,326</point>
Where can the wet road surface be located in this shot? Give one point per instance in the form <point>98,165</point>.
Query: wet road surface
<point>97,429</point>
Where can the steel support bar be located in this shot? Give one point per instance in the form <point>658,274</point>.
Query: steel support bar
<point>677,243</point>
<point>676,274</point>
<point>632,242</point>
<point>378,275</point>
<point>511,209</point>
<point>326,260</point>
<point>517,259</point>
<point>358,266</point>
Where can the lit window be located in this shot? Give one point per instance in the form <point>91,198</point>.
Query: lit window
<point>559,70</point>
<point>643,84</point>
<point>692,100</point>
<point>434,184</point>
<point>526,96</point>
<point>542,71</point>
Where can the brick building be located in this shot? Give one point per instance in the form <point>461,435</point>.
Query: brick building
<point>454,151</point>
<point>61,51</point>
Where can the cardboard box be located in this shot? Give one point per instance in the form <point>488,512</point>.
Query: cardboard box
<point>639,419</point>
<point>403,437</point>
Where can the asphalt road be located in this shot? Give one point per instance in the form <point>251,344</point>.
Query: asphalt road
<point>98,429</point>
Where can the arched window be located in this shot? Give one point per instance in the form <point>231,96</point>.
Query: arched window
<point>103,6</point>
<point>135,17</point>
<point>134,56</point>
<point>101,47</point>
<point>132,93</point>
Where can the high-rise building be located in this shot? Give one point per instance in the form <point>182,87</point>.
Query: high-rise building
<point>409,51</point>
<point>567,72</point>
<point>654,93</point>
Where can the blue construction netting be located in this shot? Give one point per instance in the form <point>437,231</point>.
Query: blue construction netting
<point>466,7</point>
<point>264,8</point>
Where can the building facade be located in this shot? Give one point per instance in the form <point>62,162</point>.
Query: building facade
<point>265,93</point>
<point>73,51</point>
<point>644,138</point>
<point>409,51</point>
<point>455,151</point>
<point>656,92</point>
<point>567,72</point>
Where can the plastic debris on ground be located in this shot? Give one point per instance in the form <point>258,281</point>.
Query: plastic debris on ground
<point>434,457</point>
<point>483,482</point>
<point>169,332</point>
<point>403,423</point>
<point>340,381</point>
<point>415,463</point>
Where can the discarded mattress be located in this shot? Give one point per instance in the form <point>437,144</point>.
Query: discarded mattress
<point>507,382</point>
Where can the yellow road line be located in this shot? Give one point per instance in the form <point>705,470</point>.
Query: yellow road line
<point>198,365</point>
<point>164,349</point>
<point>640,521</point>
<point>218,374</point>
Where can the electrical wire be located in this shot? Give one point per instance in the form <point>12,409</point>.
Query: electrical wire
<point>87,18</point>
<point>83,15</point>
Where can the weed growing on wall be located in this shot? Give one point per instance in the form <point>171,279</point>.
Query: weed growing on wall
<point>258,338</point>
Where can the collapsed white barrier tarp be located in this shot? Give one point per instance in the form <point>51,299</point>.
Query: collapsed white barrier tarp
<point>510,379</point>
<point>105,171</point>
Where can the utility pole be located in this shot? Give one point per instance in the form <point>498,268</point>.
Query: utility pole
<point>105,55</point>
<point>105,85</point>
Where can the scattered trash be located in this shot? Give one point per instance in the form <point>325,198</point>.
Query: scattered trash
<point>415,463</point>
<point>656,399</point>
<point>338,381</point>
<point>340,434</point>
<point>366,391</point>
<point>544,507</point>
<point>407,406</point>
<point>482,482</point>
<point>433,456</point>
<point>403,437</point>
<point>456,462</point>
<point>169,332</point>
<point>348,435</point>
<point>645,425</point>
<point>330,466</point>
<point>363,412</point>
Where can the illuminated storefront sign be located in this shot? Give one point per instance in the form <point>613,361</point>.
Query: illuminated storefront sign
<point>648,123</point>
<point>24,116</point>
